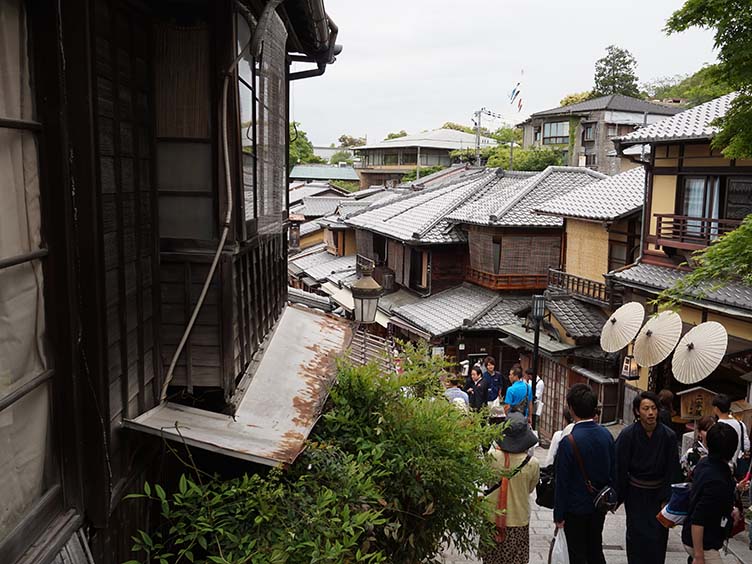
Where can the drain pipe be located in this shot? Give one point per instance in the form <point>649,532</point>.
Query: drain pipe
<point>255,43</point>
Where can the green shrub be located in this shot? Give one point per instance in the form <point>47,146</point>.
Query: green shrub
<point>391,474</point>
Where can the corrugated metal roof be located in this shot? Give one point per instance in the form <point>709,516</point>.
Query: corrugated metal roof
<point>657,278</point>
<point>420,216</point>
<point>511,202</point>
<point>267,428</point>
<point>607,199</point>
<point>446,311</point>
<point>435,139</point>
<point>323,172</point>
<point>689,124</point>
<point>614,102</point>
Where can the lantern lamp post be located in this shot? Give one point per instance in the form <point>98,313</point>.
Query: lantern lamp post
<point>366,293</point>
<point>539,308</point>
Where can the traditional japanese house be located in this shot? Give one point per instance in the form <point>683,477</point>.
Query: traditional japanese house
<point>143,157</point>
<point>694,195</point>
<point>511,248</point>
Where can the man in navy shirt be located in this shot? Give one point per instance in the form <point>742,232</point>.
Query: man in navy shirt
<point>574,507</point>
<point>712,498</point>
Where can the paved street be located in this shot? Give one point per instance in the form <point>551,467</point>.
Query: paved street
<point>541,532</point>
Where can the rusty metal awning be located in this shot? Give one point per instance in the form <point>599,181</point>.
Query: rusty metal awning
<point>281,404</point>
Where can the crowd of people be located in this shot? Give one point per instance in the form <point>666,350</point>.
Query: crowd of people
<point>595,473</point>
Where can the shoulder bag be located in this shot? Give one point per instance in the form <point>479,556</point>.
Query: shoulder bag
<point>605,499</point>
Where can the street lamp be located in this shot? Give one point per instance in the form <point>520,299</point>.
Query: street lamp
<point>366,292</point>
<point>539,308</point>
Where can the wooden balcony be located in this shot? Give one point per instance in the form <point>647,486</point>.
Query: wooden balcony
<point>592,291</point>
<point>507,281</point>
<point>690,233</point>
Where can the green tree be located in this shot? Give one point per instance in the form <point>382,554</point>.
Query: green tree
<point>698,88</point>
<point>424,171</point>
<point>341,157</point>
<point>732,22</point>
<point>508,133</point>
<point>350,141</point>
<point>729,259</point>
<point>532,159</point>
<point>400,133</point>
<point>575,98</point>
<point>301,149</point>
<point>615,73</point>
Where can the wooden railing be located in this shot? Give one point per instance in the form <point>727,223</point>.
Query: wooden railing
<point>590,290</point>
<point>507,281</point>
<point>691,233</point>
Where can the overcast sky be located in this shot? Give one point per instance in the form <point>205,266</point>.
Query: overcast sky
<point>415,64</point>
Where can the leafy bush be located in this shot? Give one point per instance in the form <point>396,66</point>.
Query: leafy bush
<point>424,171</point>
<point>391,474</point>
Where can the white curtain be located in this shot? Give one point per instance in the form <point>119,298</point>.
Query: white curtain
<point>23,425</point>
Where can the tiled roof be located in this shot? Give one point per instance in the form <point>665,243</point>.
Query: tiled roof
<point>323,172</point>
<point>309,227</point>
<point>658,278</point>
<point>446,311</point>
<point>344,266</point>
<point>421,216</point>
<point>615,102</point>
<point>319,206</point>
<point>503,313</point>
<point>690,124</point>
<point>512,203</point>
<point>439,177</point>
<point>580,320</point>
<point>437,139</point>
<point>307,260</point>
<point>389,302</point>
<point>607,199</point>
<point>312,189</point>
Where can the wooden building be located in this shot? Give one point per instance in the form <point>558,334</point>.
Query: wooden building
<point>143,147</point>
<point>694,195</point>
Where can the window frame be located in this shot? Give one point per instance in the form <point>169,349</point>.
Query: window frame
<point>51,503</point>
<point>557,139</point>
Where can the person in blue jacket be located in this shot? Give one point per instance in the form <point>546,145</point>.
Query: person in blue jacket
<point>574,508</point>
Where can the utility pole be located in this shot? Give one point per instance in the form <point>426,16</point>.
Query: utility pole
<point>477,136</point>
<point>417,165</point>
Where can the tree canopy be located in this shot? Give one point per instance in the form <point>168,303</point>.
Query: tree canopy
<point>341,157</point>
<point>616,73</point>
<point>301,149</point>
<point>732,22</point>
<point>346,140</point>
<point>698,88</point>
<point>531,159</point>
<point>400,133</point>
<point>575,98</point>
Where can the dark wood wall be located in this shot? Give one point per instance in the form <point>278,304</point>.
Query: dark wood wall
<point>448,266</point>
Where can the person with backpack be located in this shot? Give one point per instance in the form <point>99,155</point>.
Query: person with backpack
<point>508,500</point>
<point>712,499</point>
<point>740,460</point>
<point>585,466</point>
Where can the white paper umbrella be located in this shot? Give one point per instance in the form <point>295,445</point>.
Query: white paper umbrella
<point>699,352</point>
<point>622,326</point>
<point>657,338</point>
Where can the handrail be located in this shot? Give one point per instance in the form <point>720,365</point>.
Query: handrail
<point>688,232</point>
<point>579,286</point>
<point>493,281</point>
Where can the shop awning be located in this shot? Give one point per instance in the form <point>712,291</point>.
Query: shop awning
<point>546,344</point>
<point>594,376</point>
<point>382,319</point>
<point>281,404</point>
<point>342,296</point>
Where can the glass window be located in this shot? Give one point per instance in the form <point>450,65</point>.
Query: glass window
<point>588,132</point>
<point>390,159</point>
<point>25,454</point>
<point>246,80</point>
<point>409,158</point>
<point>738,198</point>
<point>556,133</point>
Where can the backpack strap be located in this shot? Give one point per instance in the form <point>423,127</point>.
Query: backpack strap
<point>581,464</point>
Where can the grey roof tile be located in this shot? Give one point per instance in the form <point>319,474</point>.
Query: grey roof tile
<point>606,199</point>
<point>309,227</point>
<point>658,278</point>
<point>323,172</point>
<point>579,319</point>
<point>296,195</point>
<point>335,270</point>
<point>690,124</point>
<point>503,313</point>
<point>512,204</point>
<point>446,311</point>
<point>437,138</point>
<point>308,259</point>
<point>319,206</point>
<point>616,102</point>
<point>421,216</point>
